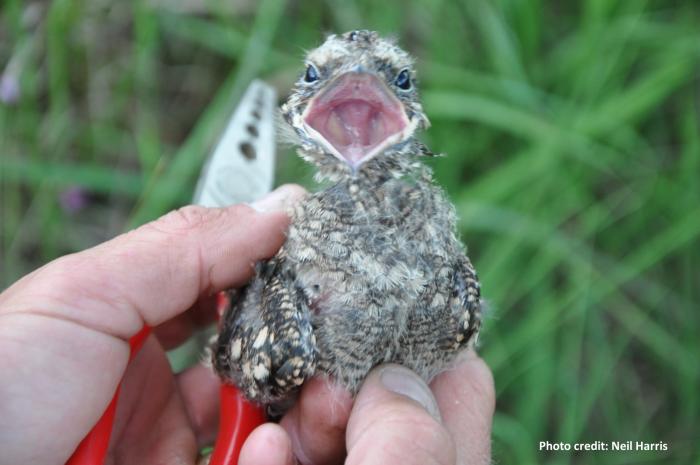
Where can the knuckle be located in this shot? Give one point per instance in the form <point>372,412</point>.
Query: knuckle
<point>185,219</point>
<point>191,218</point>
<point>239,211</point>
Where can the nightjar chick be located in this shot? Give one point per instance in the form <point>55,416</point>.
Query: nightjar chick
<point>372,270</point>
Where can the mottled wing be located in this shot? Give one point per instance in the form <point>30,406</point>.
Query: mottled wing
<point>467,297</point>
<point>266,344</point>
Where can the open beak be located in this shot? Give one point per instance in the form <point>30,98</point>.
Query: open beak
<point>356,117</point>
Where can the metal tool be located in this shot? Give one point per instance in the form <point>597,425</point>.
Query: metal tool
<point>241,167</point>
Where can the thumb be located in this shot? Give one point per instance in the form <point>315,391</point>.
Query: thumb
<point>396,420</point>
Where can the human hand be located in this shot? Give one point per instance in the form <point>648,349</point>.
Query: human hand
<point>64,332</point>
<point>63,350</point>
<point>395,419</point>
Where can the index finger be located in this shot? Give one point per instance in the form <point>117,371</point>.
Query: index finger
<point>157,271</point>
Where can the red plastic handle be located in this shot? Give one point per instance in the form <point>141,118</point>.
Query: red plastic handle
<point>93,448</point>
<point>238,418</point>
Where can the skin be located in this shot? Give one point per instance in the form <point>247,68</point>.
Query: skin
<point>63,351</point>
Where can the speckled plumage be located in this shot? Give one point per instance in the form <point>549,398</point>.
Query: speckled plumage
<point>372,270</point>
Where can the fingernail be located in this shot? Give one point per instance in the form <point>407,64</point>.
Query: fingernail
<point>405,382</point>
<point>279,199</point>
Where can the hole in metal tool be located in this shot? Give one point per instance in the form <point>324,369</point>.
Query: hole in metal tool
<point>252,130</point>
<point>247,150</point>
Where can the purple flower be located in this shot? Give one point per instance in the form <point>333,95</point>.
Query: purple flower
<point>73,199</point>
<point>9,88</point>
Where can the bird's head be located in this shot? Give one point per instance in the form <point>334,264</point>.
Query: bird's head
<point>356,102</point>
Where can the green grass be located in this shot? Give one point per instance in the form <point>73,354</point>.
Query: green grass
<point>572,135</point>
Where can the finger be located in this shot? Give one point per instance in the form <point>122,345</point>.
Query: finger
<point>316,423</point>
<point>159,270</point>
<point>396,420</point>
<point>151,424</point>
<point>199,390</point>
<point>177,330</point>
<point>52,372</point>
<point>466,397</point>
<point>268,444</point>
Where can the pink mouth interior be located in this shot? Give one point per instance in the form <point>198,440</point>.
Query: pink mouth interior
<point>355,115</point>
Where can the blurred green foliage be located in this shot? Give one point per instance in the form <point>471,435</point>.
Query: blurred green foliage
<point>573,142</point>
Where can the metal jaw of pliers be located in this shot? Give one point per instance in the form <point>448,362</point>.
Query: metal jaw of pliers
<point>240,169</point>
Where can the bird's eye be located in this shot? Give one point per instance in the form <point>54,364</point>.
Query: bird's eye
<point>403,80</point>
<point>311,74</point>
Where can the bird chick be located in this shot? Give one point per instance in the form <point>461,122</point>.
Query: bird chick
<point>372,270</point>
